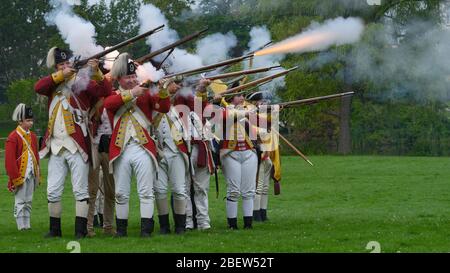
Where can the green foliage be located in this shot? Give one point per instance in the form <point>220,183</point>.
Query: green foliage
<point>24,37</point>
<point>400,129</point>
<point>22,91</point>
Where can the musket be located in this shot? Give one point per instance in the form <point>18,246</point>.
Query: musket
<point>293,147</point>
<point>232,81</point>
<point>253,52</point>
<point>209,67</point>
<point>251,90</point>
<point>242,72</point>
<point>261,47</point>
<point>310,100</point>
<point>232,91</point>
<point>185,39</point>
<point>80,63</point>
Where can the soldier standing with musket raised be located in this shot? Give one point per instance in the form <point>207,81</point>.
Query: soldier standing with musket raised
<point>132,149</point>
<point>66,139</point>
<point>201,159</point>
<point>174,161</point>
<point>101,132</point>
<point>269,163</point>
<point>239,160</point>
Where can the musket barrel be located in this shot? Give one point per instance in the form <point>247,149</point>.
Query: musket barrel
<point>243,72</point>
<point>188,38</point>
<point>261,47</point>
<point>210,67</point>
<point>256,82</point>
<point>252,52</point>
<point>307,101</point>
<point>316,99</point>
<point>120,45</point>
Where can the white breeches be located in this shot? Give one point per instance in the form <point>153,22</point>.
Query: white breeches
<point>201,188</point>
<point>58,166</point>
<point>172,171</point>
<point>239,168</point>
<point>134,159</point>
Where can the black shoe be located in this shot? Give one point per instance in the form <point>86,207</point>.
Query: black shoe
<point>80,227</point>
<point>180,223</point>
<point>164,225</point>
<point>264,215</point>
<point>96,224</point>
<point>55,228</point>
<point>248,222</point>
<point>232,223</point>
<point>121,230</point>
<point>147,226</point>
<point>100,219</point>
<point>257,216</point>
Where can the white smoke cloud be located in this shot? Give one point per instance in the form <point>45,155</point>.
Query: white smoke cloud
<point>215,47</point>
<point>151,17</point>
<point>414,68</point>
<point>318,37</point>
<point>78,33</point>
<point>147,72</point>
<point>110,58</point>
<point>82,79</point>
<point>260,36</point>
<point>182,60</point>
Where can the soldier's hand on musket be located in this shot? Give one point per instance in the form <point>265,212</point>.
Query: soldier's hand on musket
<point>205,82</point>
<point>138,91</point>
<point>217,97</point>
<point>173,88</point>
<point>202,84</point>
<point>108,76</point>
<point>68,72</point>
<point>93,63</point>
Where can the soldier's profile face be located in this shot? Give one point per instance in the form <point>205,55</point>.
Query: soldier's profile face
<point>237,100</point>
<point>128,81</point>
<point>63,65</point>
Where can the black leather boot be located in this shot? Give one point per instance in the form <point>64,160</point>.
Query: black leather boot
<point>55,228</point>
<point>164,225</point>
<point>122,225</point>
<point>257,215</point>
<point>248,222</point>
<point>264,215</point>
<point>147,226</point>
<point>80,227</point>
<point>232,223</point>
<point>180,223</point>
<point>96,224</point>
<point>100,220</point>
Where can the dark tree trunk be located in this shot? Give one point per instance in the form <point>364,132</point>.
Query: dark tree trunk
<point>345,139</point>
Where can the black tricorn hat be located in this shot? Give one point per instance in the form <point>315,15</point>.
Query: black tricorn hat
<point>123,65</point>
<point>255,96</point>
<point>22,112</point>
<point>57,55</point>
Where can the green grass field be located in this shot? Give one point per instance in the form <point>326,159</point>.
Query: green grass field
<point>339,205</point>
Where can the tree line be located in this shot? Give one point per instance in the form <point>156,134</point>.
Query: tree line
<point>377,120</point>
